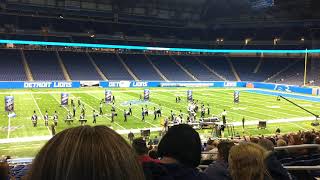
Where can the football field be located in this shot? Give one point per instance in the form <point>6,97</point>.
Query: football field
<point>253,107</point>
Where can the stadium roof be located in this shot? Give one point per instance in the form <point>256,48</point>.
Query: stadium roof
<point>193,9</point>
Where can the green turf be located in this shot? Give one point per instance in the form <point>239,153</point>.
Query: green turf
<point>251,106</point>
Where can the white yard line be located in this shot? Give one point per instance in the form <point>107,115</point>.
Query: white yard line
<point>9,125</point>
<point>42,117</point>
<point>165,107</point>
<point>45,138</point>
<point>230,112</point>
<point>284,105</point>
<point>263,109</point>
<point>126,131</point>
<point>117,90</point>
<point>98,111</point>
<point>275,121</point>
<point>298,126</point>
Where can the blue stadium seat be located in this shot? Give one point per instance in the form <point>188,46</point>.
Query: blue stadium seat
<point>79,66</point>
<point>44,65</point>
<point>111,66</point>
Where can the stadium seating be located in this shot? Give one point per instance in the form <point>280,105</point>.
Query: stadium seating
<point>168,67</point>
<point>277,65</point>
<point>111,66</point>
<point>141,67</point>
<point>293,75</point>
<point>245,67</point>
<point>220,65</point>
<point>79,66</point>
<point>11,66</point>
<point>196,69</point>
<point>44,65</point>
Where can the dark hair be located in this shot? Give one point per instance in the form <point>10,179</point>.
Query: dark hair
<point>4,170</point>
<point>182,143</point>
<point>224,149</point>
<point>308,138</point>
<point>139,145</point>
<point>86,152</point>
<point>153,154</point>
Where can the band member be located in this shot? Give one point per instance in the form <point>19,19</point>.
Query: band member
<point>55,118</point>
<point>100,108</point>
<point>113,99</point>
<point>177,99</point>
<point>146,112</point>
<point>82,119</point>
<point>46,119</point>
<point>83,110</point>
<point>69,118</point>
<point>34,119</point>
<point>142,113</point>
<point>74,111</point>
<point>140,97</point>
<point>208,109</point>
<point>180,114</point>
<point>223,115</point>
<point>203,111</point>
<point>160,111</point>
<point>94,117</point>
<point>113,114</point>
<point>113,108</point>
<point>79,103</point>
<point>243,120</point>
<point>172,115</point>
<point>125,115</point>
<point>130,109</point>
<point>155,113</point>
<point>72,103</point>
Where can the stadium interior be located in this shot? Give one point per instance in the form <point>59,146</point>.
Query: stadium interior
<point>277,42</point>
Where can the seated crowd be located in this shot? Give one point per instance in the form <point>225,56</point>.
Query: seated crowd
<point>99,153</point>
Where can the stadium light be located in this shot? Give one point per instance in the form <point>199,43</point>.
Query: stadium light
<point>246,41</point>
<point>143,48</point>
<point>275,41</point>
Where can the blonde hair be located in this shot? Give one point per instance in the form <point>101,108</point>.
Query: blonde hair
<point>281,142</point>
<point>246,162</point>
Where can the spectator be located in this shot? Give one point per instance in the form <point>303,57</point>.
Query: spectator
<point>284,152</point>
<point>273,165</point>
<point>155,140</point>
<point>281,142</point>
<point>153,154</point>
<point>308,138</point>
<point>180,153</point>
<point>246,162</point>
<point>139,145</point>
<point>4,171</point>
<point>86,152</point>
<point>317,140</point>
<point>295,139</point>
<point>212,151</point>
<point>219,168</point>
